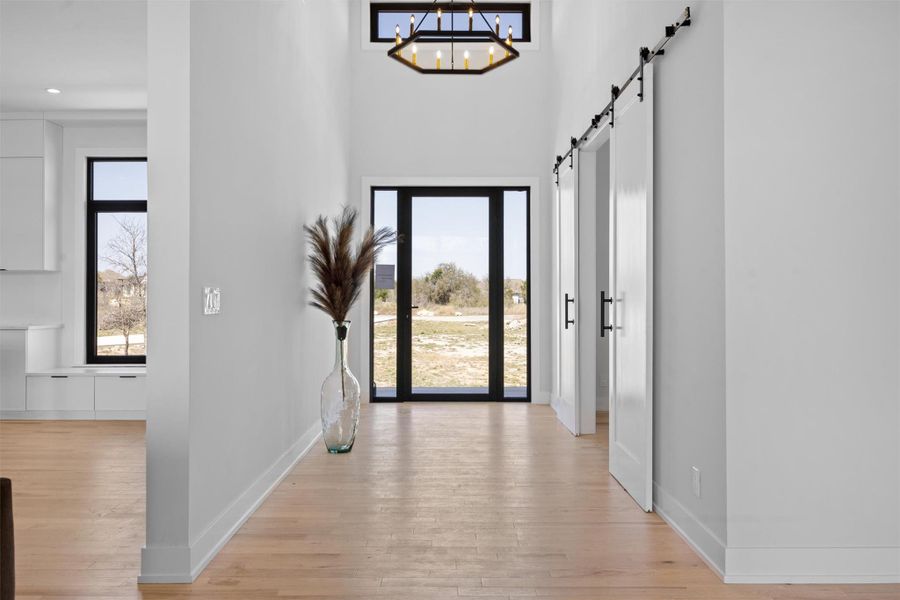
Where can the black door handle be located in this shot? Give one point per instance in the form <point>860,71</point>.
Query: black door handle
<point>568,320</point>
<point>603,326</point>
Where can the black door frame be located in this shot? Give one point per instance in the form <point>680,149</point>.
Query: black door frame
<point>496,390</point>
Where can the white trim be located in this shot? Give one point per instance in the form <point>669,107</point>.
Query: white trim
<point>47,415</point>
<point>62,117</point>
<point>540,396</point>
<point>533,45</point>
<point>79,239</point>
<point>536,282</point>
<point>704,542</point>
<point>73,415</point>
<point>813,565</point>
<point>165,564</point>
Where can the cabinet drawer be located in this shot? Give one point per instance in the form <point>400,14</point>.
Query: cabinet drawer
<point>120,392</point>
<point>22,137</point>
<point>45,392</point>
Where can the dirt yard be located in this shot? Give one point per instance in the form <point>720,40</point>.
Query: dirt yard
<point>451,350</point>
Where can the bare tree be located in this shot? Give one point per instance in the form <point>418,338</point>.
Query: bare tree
<point>125,315</point>
<point>127,254</point>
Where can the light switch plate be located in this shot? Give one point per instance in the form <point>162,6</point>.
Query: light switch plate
<point>212,301</point>
<point>695,481</point>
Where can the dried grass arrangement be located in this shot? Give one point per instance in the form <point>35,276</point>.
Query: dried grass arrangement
<point>340,270</point>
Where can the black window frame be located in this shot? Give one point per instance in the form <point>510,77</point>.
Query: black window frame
<point>93,209</point>
<point>496,386</point>
<point>487,8</point>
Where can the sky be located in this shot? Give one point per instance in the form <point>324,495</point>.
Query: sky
<point>455,229</point>
<point>117,181</point>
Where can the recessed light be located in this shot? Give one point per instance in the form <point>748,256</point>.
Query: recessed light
<point>52,91</point>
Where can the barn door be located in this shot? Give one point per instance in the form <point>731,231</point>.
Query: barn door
<point>631,291</point>
<point>565,398</point>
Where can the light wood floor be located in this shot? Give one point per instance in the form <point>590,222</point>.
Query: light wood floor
<point>435,501</point>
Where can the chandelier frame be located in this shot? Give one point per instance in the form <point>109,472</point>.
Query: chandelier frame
<point>452,37</point>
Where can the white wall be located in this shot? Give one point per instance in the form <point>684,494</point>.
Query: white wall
<point>812,223</point>
<point>595,44</point>
<point>268,151</point>
<point>493,126</point>
<point>81,140</point>
<point>29,298</point>
<point>59,297</point>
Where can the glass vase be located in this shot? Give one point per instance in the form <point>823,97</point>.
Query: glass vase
<point>340,398</point>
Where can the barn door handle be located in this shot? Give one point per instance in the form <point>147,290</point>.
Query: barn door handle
<point>603,326</point>
<point>568,320</point>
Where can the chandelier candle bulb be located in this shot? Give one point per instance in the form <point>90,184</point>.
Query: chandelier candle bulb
<point>427,29</point>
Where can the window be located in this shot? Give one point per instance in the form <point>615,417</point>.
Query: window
<point>116,319</point>
<point>385,16</point>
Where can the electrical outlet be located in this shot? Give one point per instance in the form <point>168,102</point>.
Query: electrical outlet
<point>212,301</point>
<point>695,481</point>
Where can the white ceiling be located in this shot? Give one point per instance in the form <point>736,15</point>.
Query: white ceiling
<point>95,51</point>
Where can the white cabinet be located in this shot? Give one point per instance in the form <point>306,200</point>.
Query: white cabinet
<point>23,349</point>
<point>60,392</point>
<point>21,213</point>
<point>120,392</point>
<point>30,163</point>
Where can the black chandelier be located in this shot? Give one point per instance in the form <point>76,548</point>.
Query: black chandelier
<point>442,51</point>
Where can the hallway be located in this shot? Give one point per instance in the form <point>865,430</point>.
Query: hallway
<point>434,501</point>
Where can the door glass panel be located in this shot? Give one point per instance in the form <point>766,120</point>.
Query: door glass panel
<point>515,294</point>
<point>384,315</point>
<point>450,267</point>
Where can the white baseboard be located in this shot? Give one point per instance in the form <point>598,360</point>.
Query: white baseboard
<point>73,415</point>
<point>47,415</point>
<point>120,415</point>
<point>813,565</point>
<point>704,542</point>
<point>165,564</point>
<point>159,569</point>
<point>540,397</point>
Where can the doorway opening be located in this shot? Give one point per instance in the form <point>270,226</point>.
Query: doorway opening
<point>450,310</point>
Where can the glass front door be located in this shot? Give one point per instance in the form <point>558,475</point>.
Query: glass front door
<point>450,300</point>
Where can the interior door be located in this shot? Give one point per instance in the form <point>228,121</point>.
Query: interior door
<point>565,393</point>
<point>631,289</point>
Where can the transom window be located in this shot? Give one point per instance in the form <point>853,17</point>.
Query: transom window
<point>385,16</point>
<point>116,319</point>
